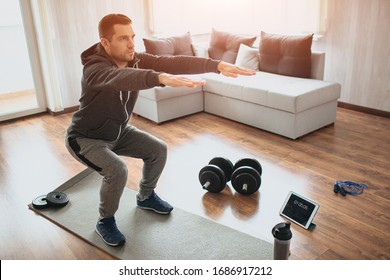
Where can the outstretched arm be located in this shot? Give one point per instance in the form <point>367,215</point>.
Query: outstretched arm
<point>224,68</point>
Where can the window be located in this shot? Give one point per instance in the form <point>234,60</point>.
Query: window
<point>21,88</point>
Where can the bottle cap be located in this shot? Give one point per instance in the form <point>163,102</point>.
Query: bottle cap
<point>282,231</point>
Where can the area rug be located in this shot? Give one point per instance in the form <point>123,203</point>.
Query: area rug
<point>150,236</point>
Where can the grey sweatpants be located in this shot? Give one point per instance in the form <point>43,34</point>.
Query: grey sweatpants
<point>105,158</point>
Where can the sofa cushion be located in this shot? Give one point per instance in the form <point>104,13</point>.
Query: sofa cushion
<point>285,55</point>
<point>201,49</point>
<point>178,45</point>
<point>224,45</point>
<point>275,91</point>
<point>248,57</point>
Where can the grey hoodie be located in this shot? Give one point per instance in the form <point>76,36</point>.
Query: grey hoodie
<point>109,93</point>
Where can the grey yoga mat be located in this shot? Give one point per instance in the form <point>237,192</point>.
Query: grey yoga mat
<point>178,236</point>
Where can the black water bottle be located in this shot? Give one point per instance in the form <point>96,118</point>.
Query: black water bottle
<point>282,239</point>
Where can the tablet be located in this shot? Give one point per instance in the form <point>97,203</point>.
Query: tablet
<point>299,210</point>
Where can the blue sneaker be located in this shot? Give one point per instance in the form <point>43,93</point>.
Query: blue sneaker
<point>107,229</point>
<point>155,203</point>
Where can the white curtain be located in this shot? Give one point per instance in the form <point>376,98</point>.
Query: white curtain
<point>45,37</point>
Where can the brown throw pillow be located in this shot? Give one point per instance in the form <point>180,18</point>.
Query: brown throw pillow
<point>178,45</point>
<point>285,55</point>
<point>224,46</point>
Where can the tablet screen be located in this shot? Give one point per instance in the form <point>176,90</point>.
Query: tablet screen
<point>299,209</point>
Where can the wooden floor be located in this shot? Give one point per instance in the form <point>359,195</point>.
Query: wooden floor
<point>33,161</point>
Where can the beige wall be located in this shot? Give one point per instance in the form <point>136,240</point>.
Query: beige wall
<point>357,44</point>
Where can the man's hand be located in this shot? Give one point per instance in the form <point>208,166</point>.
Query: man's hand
<point>233,71</point>
<point>178,81</point>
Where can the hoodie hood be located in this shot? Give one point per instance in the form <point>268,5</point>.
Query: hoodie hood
<point>97,52</point>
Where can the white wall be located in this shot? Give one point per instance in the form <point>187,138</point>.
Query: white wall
<point>357,44</point>
<point>243,16</point>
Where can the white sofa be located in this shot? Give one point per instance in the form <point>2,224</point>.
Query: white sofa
<point>284,105</point>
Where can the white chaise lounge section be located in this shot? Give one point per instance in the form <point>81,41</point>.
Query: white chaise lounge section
<point>284,105</point>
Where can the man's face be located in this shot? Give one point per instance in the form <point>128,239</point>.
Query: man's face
<point>121,46</point>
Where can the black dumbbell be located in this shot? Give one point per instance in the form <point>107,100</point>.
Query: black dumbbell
<point>216,174</point>
<point>246,176</point>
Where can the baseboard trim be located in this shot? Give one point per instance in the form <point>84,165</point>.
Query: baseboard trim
<point>340,104</point>
<point>65,111</point>
<point>362,109</point>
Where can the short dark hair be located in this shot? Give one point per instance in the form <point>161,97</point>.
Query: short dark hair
<point>106,24</point>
